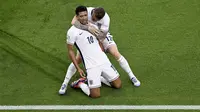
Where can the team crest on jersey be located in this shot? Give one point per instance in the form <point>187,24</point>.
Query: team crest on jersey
<point>90,82</point>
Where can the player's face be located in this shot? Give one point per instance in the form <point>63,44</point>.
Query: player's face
<point>94,17</point>
<point>83,17</point>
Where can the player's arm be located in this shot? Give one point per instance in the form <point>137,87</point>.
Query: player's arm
<point>71,39</point>
<point>101,36</point>
<point>77,24</point>
<point>96,32</point>
<point>87,27</point>
<point>106,25</point>
<point>104,28</point>
<point>101,46</point>
<point>73,58</point>
<point>73,20</point>
<point>72,55</point>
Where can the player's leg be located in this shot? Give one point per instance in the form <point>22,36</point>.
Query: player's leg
<point>70,72</point>
<point>72,69</point>
<point>91,92</point>
<point>111,75</point>
<point>123,63</point>
<point>95,92</point>
<point>116,83</point>
<point>80,83</point>
<point>94,83</point>
<point>105,81</point>
<point>111,47</point>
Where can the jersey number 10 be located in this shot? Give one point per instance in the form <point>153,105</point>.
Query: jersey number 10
<point>90,39</point>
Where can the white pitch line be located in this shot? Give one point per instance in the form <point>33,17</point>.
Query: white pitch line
<point>99,107</point>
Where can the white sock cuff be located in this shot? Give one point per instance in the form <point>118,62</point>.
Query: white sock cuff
<point>121,58</point>
<point>72,68</point>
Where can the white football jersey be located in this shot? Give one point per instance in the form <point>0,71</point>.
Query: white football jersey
<point>103,24</point>
<point>88,46</point>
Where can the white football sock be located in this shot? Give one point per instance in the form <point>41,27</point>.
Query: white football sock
<point>84,87</point>
<point>103,80</point>
<point>125,66</point>
<point>70,72</point>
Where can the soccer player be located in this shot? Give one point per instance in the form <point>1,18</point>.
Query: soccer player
<point>95,60</point>
<point>101,19</point>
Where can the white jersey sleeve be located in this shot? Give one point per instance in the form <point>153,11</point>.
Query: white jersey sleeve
<point>105,23</point>
<point>89,10</point>
<point>71,36</point>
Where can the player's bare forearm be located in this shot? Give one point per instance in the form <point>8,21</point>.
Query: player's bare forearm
<point>72,56</point>
<point>89,28</point>
<point>101,36</point>
<point>74,20</point>
<point>78,25</point>
<point>101,45</point>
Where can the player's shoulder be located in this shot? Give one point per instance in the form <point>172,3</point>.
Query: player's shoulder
<point>105,19</point>
<point>72,30</point>
<point>106,16</point>
<point>90,8</point>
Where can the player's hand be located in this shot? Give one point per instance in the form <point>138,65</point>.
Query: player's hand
<point>101,36</point>
<point>81,72</point>
<point>93,30</point>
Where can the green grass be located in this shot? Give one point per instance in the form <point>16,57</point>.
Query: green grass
<point>159,38</point>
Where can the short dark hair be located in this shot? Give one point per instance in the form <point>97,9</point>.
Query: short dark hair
<point>99,13</point>
<point>80,9</point>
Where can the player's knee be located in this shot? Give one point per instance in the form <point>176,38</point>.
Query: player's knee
<point>117,55</point>
<point>117,83</point>
<point>95,93</point>
<point>114,52</point>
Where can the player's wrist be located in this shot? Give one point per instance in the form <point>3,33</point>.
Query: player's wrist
<point>78,68</point>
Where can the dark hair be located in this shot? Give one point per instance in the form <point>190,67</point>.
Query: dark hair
<point>99,13</point>
<point>80,9</point>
